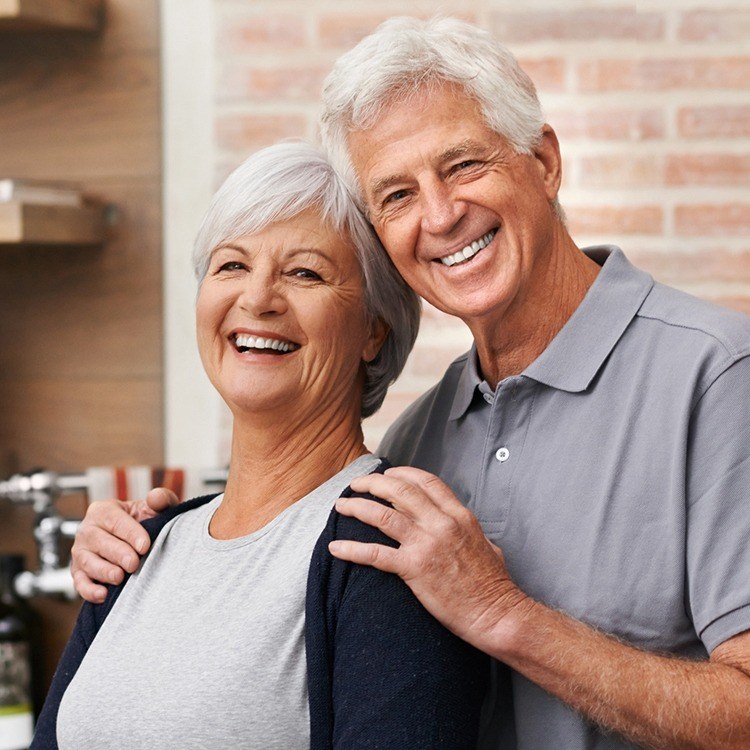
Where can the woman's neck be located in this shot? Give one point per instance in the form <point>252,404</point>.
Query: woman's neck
<point>276,462</point>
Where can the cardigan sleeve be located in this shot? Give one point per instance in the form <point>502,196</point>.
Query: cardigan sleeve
<point>396,677</point>
<point>45,734</point>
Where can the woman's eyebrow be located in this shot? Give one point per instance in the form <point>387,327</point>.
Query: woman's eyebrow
<point>294,252</point>
<point>229,246</point>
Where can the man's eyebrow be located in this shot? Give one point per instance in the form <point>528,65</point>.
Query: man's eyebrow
<point>463,148</point>
<point>469,146</point>
<point>382,184</point>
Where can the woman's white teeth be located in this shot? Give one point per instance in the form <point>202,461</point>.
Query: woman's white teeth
<point>470,250</point>
<point>257,342</point>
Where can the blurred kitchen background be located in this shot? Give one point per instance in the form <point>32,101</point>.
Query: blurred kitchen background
<point>145,105</point>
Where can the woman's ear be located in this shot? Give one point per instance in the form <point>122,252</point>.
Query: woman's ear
<point>378,331</point>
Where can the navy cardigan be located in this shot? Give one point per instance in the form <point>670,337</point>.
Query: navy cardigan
<point>382,672</point>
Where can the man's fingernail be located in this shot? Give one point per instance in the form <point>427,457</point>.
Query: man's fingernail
<point>142,546</point>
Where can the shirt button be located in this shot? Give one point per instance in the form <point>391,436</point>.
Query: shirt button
<point>488,398</point>
<point>502,455</point>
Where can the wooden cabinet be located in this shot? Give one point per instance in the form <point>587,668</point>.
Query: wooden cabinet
<point>46,15</point>
<point>25,223</point>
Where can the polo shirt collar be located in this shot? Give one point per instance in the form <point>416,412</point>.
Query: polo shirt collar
<point>572,359</point>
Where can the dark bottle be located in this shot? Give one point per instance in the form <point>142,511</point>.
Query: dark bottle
<point>16,713</point>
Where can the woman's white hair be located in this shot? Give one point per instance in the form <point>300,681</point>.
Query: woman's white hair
<point>402,56</point>
<point>278,183</point>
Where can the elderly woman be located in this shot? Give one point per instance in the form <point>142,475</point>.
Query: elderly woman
<point>239,629</point>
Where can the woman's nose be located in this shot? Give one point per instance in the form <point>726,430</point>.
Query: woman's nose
<point>261,296</point>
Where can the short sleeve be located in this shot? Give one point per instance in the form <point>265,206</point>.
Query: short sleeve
<point>718,507</point>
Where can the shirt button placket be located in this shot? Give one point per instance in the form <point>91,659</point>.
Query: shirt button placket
<point>502,454</point>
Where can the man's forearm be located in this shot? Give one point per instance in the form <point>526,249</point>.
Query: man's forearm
<point>653,700</point>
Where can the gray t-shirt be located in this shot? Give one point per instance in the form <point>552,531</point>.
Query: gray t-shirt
<point>614,473</point>
<point>205,646</point>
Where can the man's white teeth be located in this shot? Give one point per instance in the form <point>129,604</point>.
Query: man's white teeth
<point>257,342</point>
<point>470,250</point>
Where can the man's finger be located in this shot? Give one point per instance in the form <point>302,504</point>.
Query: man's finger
<point>111,517</point>
<point>89,590</point>
<point>432,485</point>
<point>376,555</point>
<point>407,497</point>
<point>158,500</point>
<point>383,517</point>
<point>99,543</point>
<point>94,567</point>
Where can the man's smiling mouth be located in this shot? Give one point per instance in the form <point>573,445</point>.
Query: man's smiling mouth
<point>244,343</point>
<point>469,251</point>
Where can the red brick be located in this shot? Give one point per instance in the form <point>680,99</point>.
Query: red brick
<point>715,26</point>
<point>547,73</point>
<point>620,171</point>
<point>608,124</point>
<point>660,75</point>
<point>712,122</point>
<point>291,84</point>
<point>741,304</point>
<point>246,132</point>
<point>437,319</point>
<point>611,220</point>
<point>342,30</point>
<point>246,33</point>
<point>393,406</point>
<point>708,169</point>
<point>718,220</point>
<point>430,362</point>
<point>676,267</point>
<point>577,25</point>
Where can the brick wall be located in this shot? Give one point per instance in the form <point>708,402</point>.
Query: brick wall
<point>650,99</point>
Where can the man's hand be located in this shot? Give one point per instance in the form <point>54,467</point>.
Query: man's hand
<point>444,557</point>
<point>111,539</point>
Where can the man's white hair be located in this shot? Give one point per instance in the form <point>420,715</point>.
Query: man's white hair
<point>401,57</point>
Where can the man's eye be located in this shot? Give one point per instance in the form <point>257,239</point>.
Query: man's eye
<point>466,164</point>
<point>396,196</point>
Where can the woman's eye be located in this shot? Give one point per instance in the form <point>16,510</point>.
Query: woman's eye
<point>232,265</point>
<point>305,273</point>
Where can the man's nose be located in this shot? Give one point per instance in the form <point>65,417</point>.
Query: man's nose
<point>262,296</point>
<point>440,209</point>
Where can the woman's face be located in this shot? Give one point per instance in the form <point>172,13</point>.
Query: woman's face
<point>281,320</point>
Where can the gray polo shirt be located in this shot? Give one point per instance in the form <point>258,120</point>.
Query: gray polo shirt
<point>614,473</point>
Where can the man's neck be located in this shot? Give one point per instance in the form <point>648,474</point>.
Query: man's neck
<point>507,346</point>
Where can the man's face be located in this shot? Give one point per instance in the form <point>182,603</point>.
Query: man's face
<point>467,221</point>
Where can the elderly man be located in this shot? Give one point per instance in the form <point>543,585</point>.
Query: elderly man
<point>589,528</point>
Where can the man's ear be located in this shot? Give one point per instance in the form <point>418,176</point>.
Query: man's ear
<point>378,331</point>
<point>547,155</point>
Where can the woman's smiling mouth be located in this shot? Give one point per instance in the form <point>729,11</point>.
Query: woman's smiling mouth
<point>245,342</point>
<point>469,251</point>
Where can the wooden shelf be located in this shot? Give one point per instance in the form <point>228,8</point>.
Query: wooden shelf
<point>32,224</point>
<point>50,15</point>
